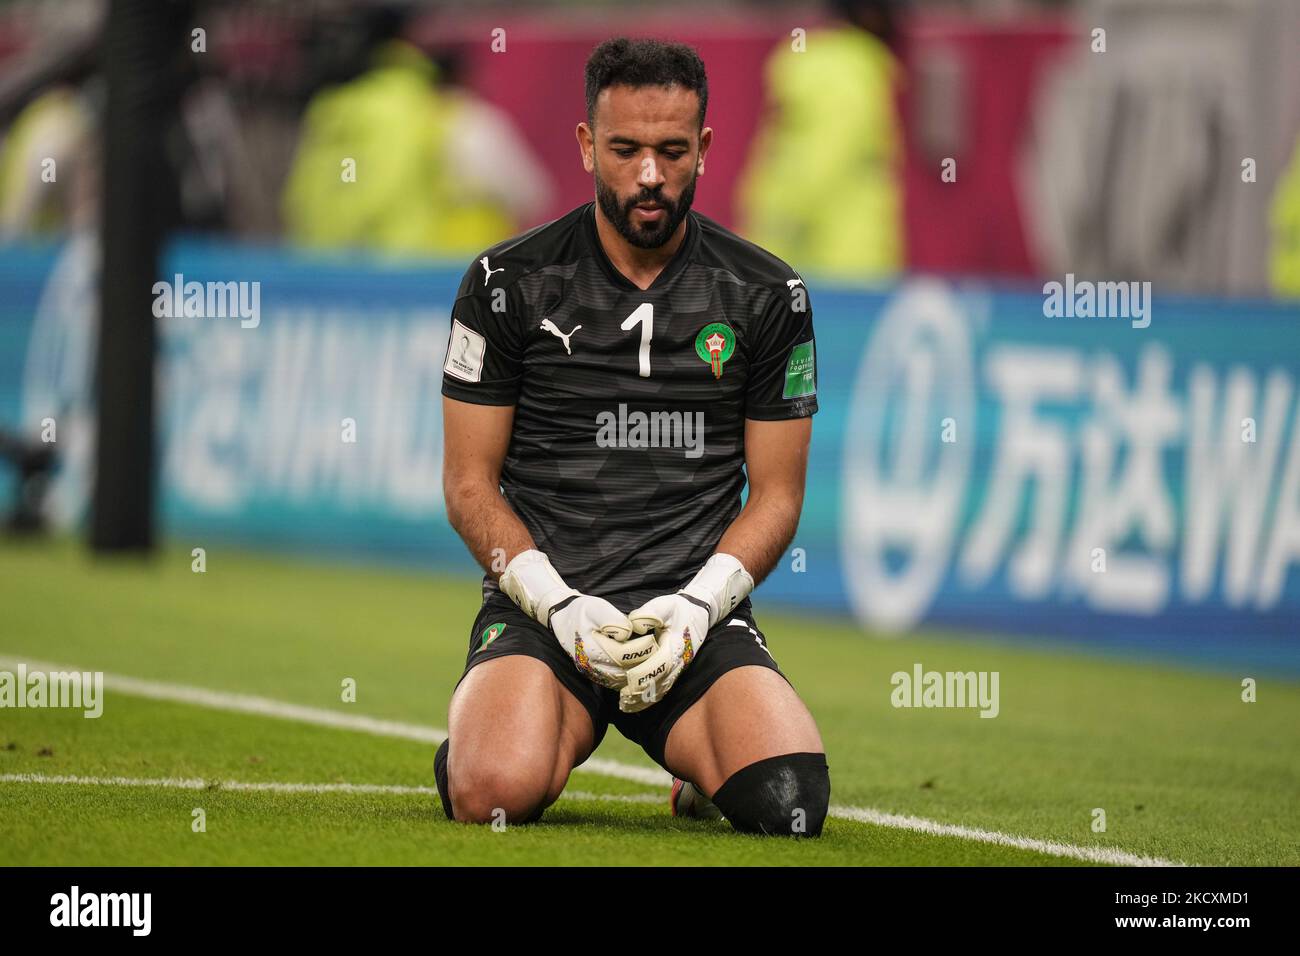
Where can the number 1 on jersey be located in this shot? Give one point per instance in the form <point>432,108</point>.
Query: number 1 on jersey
<point>645,314</point>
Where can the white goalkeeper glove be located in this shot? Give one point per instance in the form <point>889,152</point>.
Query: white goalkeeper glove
<point>681,622</point>
<point>596,635</point>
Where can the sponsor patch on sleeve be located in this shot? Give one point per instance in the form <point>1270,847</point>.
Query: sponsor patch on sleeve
<point>800,372</point>
<point>465,353</point>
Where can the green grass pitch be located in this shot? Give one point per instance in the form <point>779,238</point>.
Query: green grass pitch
<point>1184,769</point>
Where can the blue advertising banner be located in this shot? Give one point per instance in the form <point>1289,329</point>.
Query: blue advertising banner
<point>1083,461</point>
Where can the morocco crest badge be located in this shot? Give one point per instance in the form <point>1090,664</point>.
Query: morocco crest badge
<point>715,344</point>
<point>490,634</point>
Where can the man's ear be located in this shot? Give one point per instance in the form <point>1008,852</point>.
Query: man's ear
<point>706,140</point>
<point>586,143</point>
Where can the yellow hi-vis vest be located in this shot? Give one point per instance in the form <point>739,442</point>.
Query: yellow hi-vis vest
<point>372,168</point>
<point>822,188</point>
<point>1285,221</point>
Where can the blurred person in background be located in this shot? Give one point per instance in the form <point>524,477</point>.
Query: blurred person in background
<point>49,166</point>
<point>51,101</point>
<point>822,187</point>
<point>1143,156</point>
<point>437,171</point>
<point>51,153</point>
<point>1285,223</point>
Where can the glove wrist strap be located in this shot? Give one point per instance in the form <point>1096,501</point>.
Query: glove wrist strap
<point>721,584</point>
<point>532,583</point>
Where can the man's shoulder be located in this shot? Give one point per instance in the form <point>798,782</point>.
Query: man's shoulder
<point>747,262</point>
<point>504,264</point>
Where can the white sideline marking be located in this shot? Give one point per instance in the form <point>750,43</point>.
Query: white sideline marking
<point>266,707</point>
<point>1095,855</point>
<point>1051,847</point>
<point>319,716</point>
<point>196,783</point>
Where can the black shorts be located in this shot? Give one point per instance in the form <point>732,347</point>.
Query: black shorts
<point>734,642</point>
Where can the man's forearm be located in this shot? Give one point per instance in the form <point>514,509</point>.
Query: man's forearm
<point>761,532</point>
<point>488,526</point>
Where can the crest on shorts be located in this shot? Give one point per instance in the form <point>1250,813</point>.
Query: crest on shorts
<point>490,634</point>
<point>715,344</point>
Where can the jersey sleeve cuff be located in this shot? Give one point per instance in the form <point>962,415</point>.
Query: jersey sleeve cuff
<point>798,408</point>
<point>479,395</point>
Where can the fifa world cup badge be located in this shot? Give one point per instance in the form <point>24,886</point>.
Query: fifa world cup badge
<point>715,344</point>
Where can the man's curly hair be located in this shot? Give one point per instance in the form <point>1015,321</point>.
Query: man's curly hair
<point>644,62</point>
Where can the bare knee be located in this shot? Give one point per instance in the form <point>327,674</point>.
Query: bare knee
<point>517,733</point>
<point>497,794</point>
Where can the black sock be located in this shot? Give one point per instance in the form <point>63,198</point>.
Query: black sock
<point>788,794</point>
<point>440,777</point>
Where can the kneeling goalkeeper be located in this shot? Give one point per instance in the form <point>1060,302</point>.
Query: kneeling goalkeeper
<point>612,379</point>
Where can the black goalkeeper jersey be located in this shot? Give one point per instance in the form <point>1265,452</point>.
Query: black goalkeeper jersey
<point>626,458</point>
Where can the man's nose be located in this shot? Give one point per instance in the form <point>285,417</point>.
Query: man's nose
<point>650,175</point>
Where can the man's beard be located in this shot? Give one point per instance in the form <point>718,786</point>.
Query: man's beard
<point>649,235</point>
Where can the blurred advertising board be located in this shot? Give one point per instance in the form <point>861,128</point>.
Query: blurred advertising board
<point>994,459</point>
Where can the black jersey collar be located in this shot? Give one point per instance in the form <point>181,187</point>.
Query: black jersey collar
<point>675,265</point>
